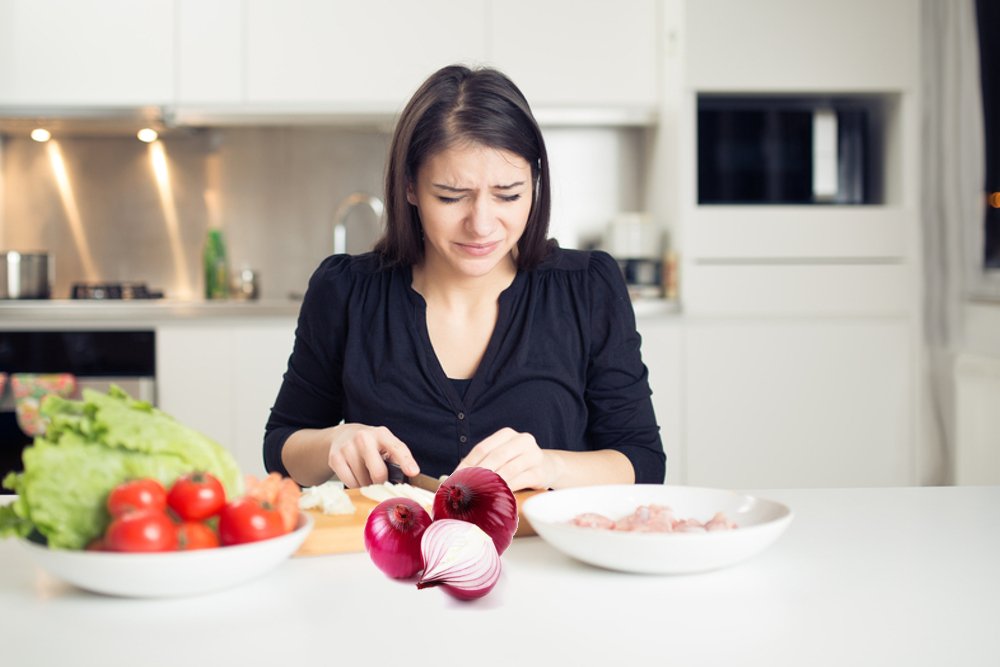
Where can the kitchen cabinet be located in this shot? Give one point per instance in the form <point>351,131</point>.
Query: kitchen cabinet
<point>578,52</point>
<point>267,58</point>
<point>210,63</point>
<point>363,55</point>
<point>88,53</point>
<point>787,45</point>
<point>662,352</point>
<point>221,378</point>
<point>801,323</point>
<point>798,402</point>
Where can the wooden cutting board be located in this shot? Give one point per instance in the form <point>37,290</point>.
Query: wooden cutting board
<point>345,533</point>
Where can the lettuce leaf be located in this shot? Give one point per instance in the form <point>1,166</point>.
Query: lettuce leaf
<point>91,446</point>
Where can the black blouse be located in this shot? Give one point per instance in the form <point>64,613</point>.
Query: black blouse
<point>563,364</point>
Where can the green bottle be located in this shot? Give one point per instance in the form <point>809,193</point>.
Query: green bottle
<point>216,266</point>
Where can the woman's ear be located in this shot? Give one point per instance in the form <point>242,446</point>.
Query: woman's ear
<point>411,196</point>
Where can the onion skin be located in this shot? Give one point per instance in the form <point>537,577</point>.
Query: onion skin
<point>393,534</point>
<point>460,557</point>
<point>482,497</point>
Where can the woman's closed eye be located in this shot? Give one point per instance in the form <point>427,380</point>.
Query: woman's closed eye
<point>504,198</point>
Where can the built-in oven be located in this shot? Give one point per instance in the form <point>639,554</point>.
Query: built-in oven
<point>761,149</point>
<point>95,359</point>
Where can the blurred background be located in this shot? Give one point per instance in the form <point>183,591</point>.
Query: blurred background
<point>802,198</point>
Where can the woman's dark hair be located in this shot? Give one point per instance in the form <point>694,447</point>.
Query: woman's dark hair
<point>455,105</point>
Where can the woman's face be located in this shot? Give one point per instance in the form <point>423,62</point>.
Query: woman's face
<point>474,203</point>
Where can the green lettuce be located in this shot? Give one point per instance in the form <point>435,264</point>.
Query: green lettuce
<point>89,447</point>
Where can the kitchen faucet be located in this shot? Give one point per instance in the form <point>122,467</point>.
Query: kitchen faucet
<point>344,208</point>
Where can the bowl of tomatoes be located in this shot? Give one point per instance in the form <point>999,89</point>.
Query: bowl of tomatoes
<point>182,541</point>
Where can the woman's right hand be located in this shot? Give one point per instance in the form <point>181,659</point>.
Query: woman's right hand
<point>358,453</point>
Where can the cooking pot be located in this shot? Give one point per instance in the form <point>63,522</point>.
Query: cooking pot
<point>25,275</point>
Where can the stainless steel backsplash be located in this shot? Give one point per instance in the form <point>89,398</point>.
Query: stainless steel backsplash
<point>273,191</point>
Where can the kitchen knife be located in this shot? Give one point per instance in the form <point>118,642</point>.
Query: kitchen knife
<point>420,481</point>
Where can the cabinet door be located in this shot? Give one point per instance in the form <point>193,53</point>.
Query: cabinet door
<point>260,357</point>
<point>210,52</point>
<point>194,378</point>
<point>86,52</point>
<point>822,45</point>
<point>222,378</point>
<point>370,54</point>
<point>578,52</point>
<point>772,403</point>
<point>661,352</point>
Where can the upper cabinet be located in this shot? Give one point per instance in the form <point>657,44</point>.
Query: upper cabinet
<point>210,51</point>
<point>96,53</point>
<point>578,52</point>
<point>329,57</point>
<point>370,54</point>
<point>288,58</point>
<point>789,45</point>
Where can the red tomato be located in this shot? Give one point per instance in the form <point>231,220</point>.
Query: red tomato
<point>137,495</point>
<point>196,535</point>
<point>197,496</point>
<point>249,520</point>
<point>147,530</point>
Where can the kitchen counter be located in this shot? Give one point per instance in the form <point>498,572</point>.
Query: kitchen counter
<point>878,576</point>
<point>89,314</point>
<point>27,314</point>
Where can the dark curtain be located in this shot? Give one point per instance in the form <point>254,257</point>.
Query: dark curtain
<point>988,19</point>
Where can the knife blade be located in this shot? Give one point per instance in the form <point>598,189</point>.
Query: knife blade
<point>421,481</point>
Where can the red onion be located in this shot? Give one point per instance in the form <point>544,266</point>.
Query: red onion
<point>392,536</point>
<point>480,496</point>
<point>460,557</point>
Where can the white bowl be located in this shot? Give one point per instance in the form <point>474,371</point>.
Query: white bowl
<point>168,574</point>
<point>760,523</point>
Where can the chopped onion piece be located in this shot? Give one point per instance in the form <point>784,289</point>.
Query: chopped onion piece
<point>382,492</point>
<point>329,498</point>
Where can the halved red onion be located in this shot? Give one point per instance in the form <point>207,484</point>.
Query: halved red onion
<point>460,558</point>
<point>480,496</point>
<point>392,536</point>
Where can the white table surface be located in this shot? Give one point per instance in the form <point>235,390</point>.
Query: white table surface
<point>903,576</point>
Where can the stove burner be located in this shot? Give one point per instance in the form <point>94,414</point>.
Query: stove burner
<point>113,291</point>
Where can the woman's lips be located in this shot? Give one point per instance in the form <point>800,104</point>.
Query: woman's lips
<point>477,249</point>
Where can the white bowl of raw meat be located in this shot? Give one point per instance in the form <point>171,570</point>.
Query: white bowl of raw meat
<point>656,529</point>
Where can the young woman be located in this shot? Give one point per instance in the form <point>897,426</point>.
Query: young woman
<point>467,338</point>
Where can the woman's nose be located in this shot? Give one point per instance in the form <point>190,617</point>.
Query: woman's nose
<point>482,217</point>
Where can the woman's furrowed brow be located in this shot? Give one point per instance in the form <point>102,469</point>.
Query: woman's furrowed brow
<point>452,188</point>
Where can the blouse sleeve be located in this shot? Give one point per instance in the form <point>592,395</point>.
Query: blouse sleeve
<point>618,395</point>
<point>311,393</point>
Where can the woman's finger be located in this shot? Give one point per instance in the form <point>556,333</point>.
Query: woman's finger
<point>486,446</point>
<point>398,452</point>
<point>371,456</point>
<point>340,467</point>
<point>356,461</point>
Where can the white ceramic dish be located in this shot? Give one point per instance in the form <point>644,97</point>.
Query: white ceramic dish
<point>760,523</point>
<point>169,574</point>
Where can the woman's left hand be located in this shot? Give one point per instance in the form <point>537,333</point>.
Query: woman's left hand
<point>516,457</point>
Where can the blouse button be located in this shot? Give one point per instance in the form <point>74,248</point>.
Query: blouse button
<point>462,438</point>
<point>461,415</point>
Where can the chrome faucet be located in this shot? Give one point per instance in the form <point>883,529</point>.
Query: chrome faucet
<point>344,208</point>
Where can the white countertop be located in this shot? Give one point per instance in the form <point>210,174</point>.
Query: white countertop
<point>84,313</point>
<point>904,576</point>
<point>88,314</point>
